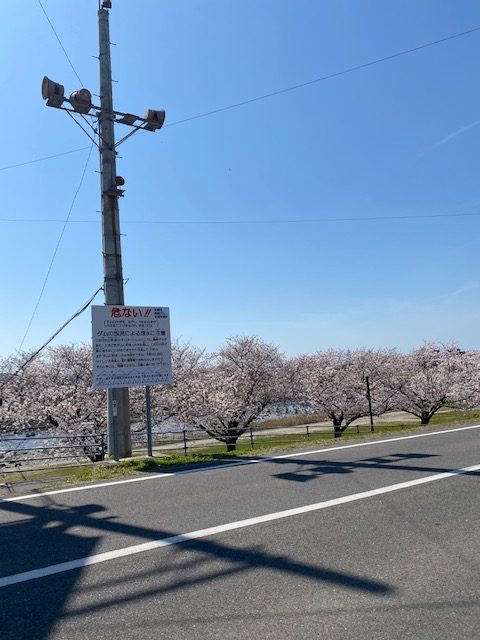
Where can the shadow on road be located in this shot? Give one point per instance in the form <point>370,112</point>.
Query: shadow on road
<point>310,469</point>
<point>34,536</point>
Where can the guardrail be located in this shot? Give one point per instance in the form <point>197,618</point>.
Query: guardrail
<point>41,452</point>
<point>45,452</point>
<point>194,440</point>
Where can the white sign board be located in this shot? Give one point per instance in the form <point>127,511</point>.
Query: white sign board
<point>131,346</point>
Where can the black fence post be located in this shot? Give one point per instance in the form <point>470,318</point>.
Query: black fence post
<point>369,398</point>
<point>102,444</point>
<point>308,431</point>
<point>184,442</point>
<point>251,437</point>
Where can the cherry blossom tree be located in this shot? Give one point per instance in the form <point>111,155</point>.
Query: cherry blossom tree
<point>334,382</point>
<point>225,393</point>
<point>432,377</point>
<point>54,392</point>
<point>234,388</point>
<point>20,400</point>
<point>172,400</point>
<point>53,395</point>
<point>69,372</point>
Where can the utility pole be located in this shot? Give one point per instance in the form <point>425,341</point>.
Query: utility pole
<point>80,108</point>
<point>119,435</point>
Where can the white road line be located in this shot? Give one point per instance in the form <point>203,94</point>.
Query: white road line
<point>231,526</point>
<point>30,496</point>
<point>239,462</point>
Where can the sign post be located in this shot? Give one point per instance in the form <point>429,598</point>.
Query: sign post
<point>148,404</point>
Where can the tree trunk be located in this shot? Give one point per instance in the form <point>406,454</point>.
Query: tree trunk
<point>231,442</point>
<point>337,427</point>
<point>425,417</point>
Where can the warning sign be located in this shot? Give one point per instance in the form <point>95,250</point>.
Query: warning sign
<point>131,346</point>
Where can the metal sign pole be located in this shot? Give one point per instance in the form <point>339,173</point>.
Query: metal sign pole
<point>148,402</point>
<point>113,448</point>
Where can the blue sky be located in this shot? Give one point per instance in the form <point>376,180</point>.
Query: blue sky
<point>397,139</point>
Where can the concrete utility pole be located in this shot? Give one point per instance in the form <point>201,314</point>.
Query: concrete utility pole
<point>119,438</point>
<point>105,118</point>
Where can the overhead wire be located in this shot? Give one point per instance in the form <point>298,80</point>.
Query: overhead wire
<point>329,76</point>
<point>65,222</point>
<point>52,337</point>
<point>55,251</point>
<point>55,155</point>
<point>279,91</point>
<point>59,41</point>
<point>407,216</point>
<point>220,110</point>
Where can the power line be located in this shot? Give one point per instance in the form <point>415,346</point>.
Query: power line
<point>294,87</point>
<point>56,155</point>
<point>60,42</point>
<point>65,222</point>
<point>45,344</point>
<point>301,220</point>
<point>265,221</point>
<point>279,91</point>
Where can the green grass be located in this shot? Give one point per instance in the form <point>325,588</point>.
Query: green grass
<point>451,416</point>
<point>50,478</point>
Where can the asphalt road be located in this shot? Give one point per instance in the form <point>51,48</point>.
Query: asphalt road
<point>377,540</point>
